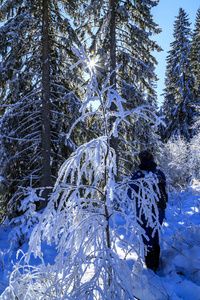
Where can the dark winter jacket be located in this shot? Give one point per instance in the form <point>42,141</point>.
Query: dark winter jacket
<point>150,166</point>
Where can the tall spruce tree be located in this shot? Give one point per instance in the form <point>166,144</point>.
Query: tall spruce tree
<point>120,32</point>
<point>37,99</point>
<point>195,55</point>
<point>179,101</point>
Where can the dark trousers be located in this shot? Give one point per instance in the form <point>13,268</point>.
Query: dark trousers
<point>153,248</point>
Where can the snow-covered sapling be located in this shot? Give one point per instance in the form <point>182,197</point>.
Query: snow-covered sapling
<point>83,213</point>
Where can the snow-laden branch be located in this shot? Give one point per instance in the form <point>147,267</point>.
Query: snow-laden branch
<point>89,216</point>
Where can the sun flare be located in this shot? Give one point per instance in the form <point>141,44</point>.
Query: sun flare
<point>92,63</point>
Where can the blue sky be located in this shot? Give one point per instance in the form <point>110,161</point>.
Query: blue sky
<point>164,15</point>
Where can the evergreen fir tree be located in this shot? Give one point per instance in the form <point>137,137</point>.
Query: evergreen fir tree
<point>179,100</point>
<point>119,33</point>
<point>36,94</point>
<point>195,56</point>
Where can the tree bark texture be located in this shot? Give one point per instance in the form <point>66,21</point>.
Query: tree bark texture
<point>112,41</point>
<point>113,4</point>
<point>46,138</point>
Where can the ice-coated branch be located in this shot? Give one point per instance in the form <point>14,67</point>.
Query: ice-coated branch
<point>89,216</point>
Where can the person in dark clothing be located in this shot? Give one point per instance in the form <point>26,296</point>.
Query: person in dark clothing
<point>148,166</point>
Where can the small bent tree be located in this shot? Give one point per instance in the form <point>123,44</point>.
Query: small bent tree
<point>88,216</point>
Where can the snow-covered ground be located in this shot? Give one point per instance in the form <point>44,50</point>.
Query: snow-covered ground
<point>178,276</point>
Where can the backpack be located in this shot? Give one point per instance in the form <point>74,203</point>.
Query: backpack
<point>159,187</point>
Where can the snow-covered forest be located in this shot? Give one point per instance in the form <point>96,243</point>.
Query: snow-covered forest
<point>78,103</point>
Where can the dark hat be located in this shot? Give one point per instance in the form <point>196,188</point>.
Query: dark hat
<point>145,155</point>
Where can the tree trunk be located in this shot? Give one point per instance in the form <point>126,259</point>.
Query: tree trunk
<point>112,42</point>
<point>114,140</point>
<point>46,138</point>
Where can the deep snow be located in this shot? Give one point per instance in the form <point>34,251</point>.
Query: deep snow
<point>178,276</point>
